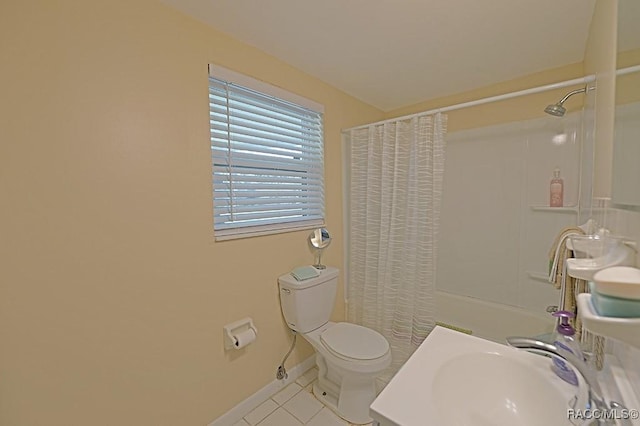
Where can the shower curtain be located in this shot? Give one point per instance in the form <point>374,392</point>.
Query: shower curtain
<point>394,190</point>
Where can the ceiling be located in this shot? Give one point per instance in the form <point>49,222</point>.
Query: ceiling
<point>394,53</point>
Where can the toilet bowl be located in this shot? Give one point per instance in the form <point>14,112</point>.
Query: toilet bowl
<point>349,357</point>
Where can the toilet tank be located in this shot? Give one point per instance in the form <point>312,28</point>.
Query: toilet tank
<point>307,305</point>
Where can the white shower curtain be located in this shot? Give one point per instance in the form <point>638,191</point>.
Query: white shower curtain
<point>394,196</point>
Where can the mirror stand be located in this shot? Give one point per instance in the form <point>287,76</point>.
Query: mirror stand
<point>319,265</point>
<point>319,239</point>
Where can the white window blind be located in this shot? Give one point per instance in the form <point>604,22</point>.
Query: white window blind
<point>267,156</point>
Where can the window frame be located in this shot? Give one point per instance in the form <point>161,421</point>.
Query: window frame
<point>230,231</point>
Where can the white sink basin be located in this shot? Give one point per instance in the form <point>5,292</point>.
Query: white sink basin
<point>454,379</point>
<point>489,388</point>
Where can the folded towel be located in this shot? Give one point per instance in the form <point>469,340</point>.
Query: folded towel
<point>559,253</point>
<point>569,287</point>
<point>302,273</point>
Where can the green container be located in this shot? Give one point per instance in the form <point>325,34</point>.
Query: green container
<point>609,306</point>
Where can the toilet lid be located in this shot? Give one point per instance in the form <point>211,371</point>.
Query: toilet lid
<point>354,341</point>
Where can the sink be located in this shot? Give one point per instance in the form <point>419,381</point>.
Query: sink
<point>454,379</point>
<point>490,388</point>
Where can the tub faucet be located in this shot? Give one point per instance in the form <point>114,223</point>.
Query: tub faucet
<point>595,399</point>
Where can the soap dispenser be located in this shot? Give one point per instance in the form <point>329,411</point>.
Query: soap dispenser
<point>565,338</point>
<point>556,190</point>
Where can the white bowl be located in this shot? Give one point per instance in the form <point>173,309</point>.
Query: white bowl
<point>489,388</point>
<point>618,281</point>
<point>454,379</point>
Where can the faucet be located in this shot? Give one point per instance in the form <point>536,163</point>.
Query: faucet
<point>595,399</point>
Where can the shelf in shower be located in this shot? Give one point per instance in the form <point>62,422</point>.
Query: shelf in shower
<point>569,209</point>
<point>539,276</point>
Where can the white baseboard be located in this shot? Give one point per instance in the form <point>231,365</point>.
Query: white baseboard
<point>245,407</point>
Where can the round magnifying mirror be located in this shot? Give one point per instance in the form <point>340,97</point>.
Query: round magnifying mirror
<point>319,239</point>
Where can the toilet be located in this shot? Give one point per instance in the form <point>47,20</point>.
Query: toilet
<point>349,356</point>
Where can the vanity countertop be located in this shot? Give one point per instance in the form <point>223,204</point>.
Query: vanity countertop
<point>409,399</point>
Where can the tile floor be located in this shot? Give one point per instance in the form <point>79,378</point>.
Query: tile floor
<point>294,405</point>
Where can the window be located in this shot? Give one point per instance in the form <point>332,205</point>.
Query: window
<point>267,156</point>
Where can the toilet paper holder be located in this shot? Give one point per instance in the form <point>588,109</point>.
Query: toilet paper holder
<point>230,331</point>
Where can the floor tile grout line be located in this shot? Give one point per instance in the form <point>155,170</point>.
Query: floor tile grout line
<point>288,399</point>
<point>263,419</point>
<point>301,421</point>
<point>294,416</point>
<point>315,415</point>
<point>302,388</point>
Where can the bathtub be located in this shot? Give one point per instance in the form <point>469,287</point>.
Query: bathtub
<point>488,320</point>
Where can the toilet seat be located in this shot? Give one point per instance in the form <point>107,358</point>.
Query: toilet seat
<point>351,341</point>
<point>349,359</point>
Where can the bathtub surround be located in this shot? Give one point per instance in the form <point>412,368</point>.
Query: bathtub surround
<point>394,196</point>
<point>497,227</point>
<point>487,319</point>
<point>497,192</point>
<point>523,185</point>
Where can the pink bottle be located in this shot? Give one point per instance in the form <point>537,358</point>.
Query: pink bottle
<point>556,190</point>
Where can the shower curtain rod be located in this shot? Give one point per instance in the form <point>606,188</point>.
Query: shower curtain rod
<point>559,85</point>
<point>628,70</point>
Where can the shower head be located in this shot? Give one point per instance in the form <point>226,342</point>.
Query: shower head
<point>558,109</point>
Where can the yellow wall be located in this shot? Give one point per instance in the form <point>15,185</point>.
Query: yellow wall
<point>628,86</point>
<point>600,59</point>
<point>112,292</point>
